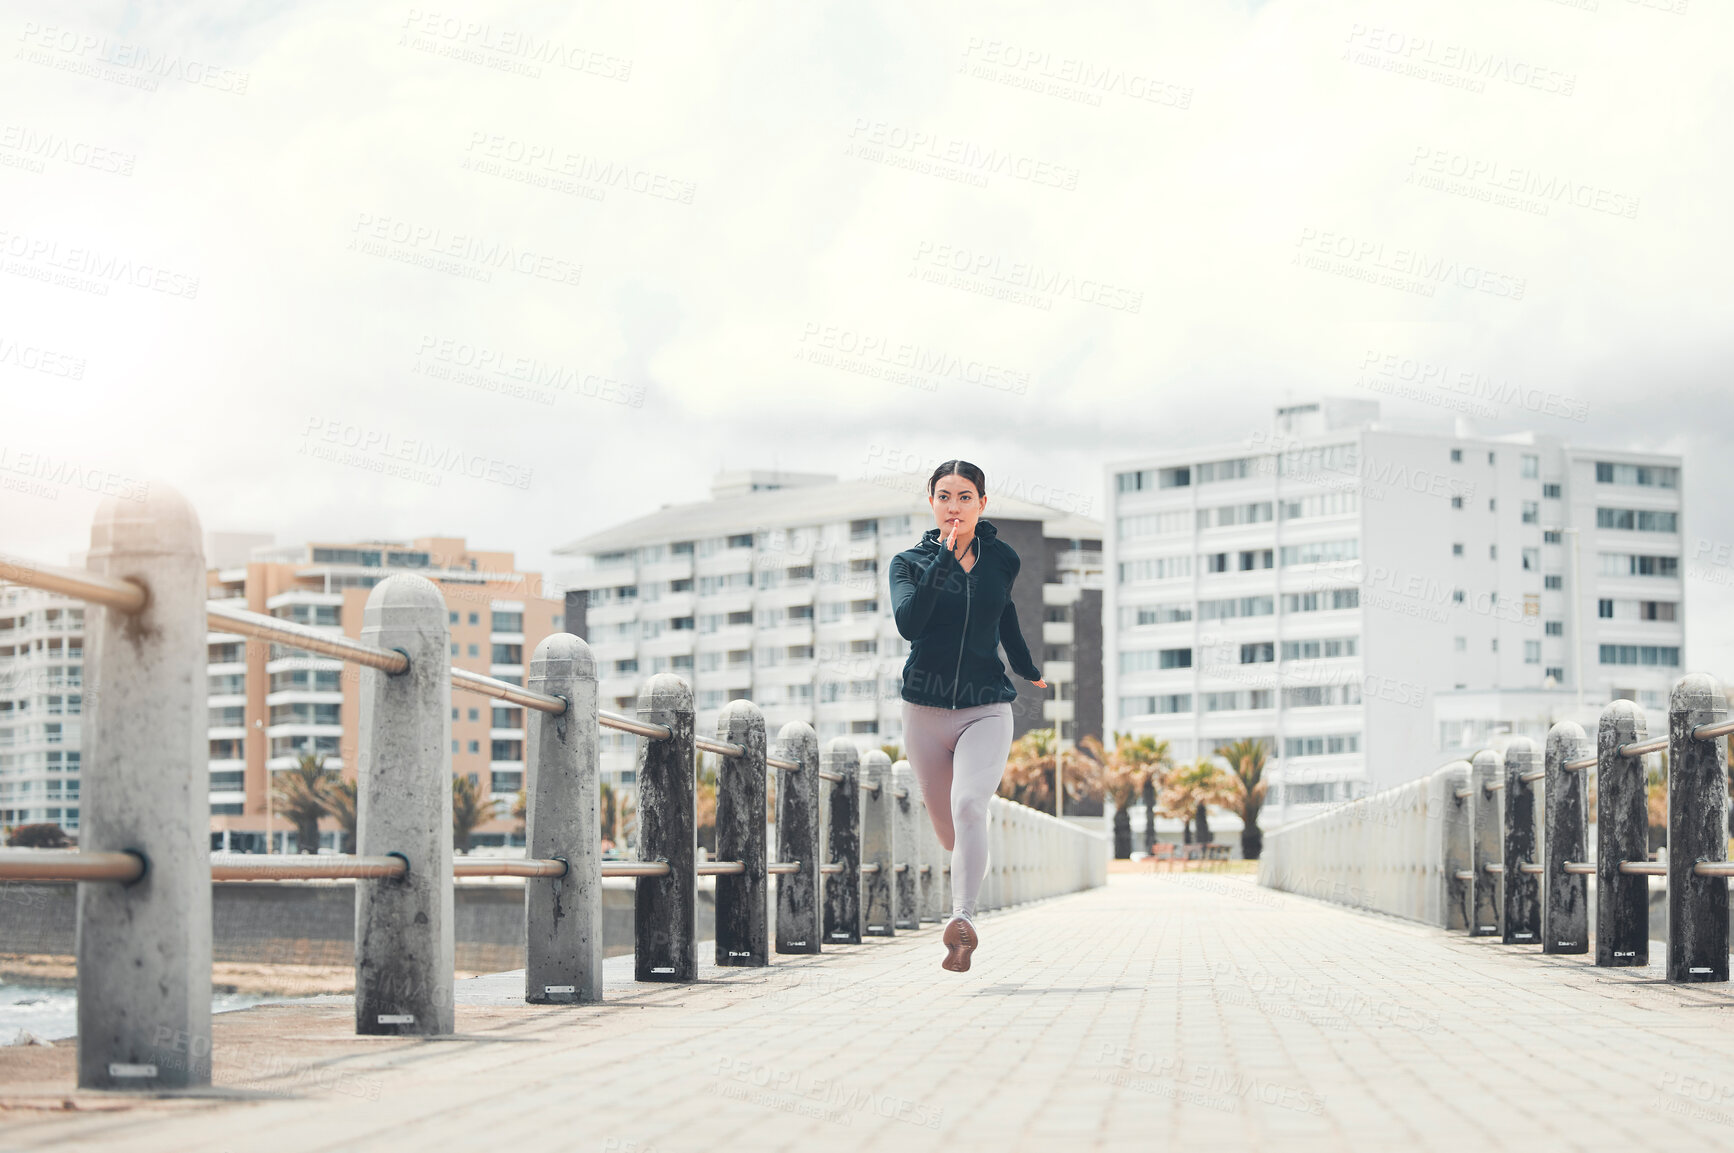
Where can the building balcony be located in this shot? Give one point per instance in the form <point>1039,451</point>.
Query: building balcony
<point>303,662</point>
<point>296,697</point>
<point>1057,632</point>
<point>304,597</point>
<point>278,764</point>
<point>228,798</point>
<point>227,733</point>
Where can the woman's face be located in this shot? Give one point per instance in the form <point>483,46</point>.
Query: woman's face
<point>956,504</point>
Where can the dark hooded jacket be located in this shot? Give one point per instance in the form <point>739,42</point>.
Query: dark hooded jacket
<point>955,622</point>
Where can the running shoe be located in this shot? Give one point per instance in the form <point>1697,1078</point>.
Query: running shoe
<point>960,941</point>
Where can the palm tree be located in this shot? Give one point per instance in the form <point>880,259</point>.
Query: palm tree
<point>340,803</point>
<point>607,802</point>
<point>1133,765</point>
<point>303,795</point>
<point>470,808</point>
<point>1030,767</point>
<point>1246,758</point>
<point>1189,791</point>
<point>705,803</point>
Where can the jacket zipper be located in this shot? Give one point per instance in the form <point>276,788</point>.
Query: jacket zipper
<point>962,639</point>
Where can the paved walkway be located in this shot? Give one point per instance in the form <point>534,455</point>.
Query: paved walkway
<point>1196,1012</point>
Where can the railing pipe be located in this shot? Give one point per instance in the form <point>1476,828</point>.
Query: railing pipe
<point>878,847</point>
<point>625,724</point>
<point>304,867</point>
<point>69,865</point>
<point>144,949</point>
<point>906,810</point>
<point>507,691</point>
<point>1487,823</point>
<point>261,627</point>
<point>1697,832</point>
<point>1622,835</point>
<point>97,588</point>
<point>405,926</point>
<point>562,790</point>
<point>742,899</point>
<point>843,848</point>
<point>1522,919</point>
<point>665,913</point>
<point>799,834</point>
<point>1565,911</point>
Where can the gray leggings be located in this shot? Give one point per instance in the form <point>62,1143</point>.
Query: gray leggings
<point>959,756</point>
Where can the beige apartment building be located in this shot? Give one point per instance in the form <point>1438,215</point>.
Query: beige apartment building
<point>269,703</point>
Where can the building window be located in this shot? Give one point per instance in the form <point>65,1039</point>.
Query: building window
<point>1531,560</point>
<point>1258,653</point>
<point>1457,549</point>
<point>1221,470</point>
<point>508,622</point>
<point>1456,502</point>
<point>1550,536</point>
<point>1557,672</point>
<point>1605,609</point>
<point>1253,559</point>
<point>1490,458</point>
<point>508,655</point>
<point>1456,456</point>
<point>1159,705</point>
<point>1531,512</point>
<point>1492,552</point>
<point>1328,648</point>
<point>1637,520</point>
<point>1626,564</point>
<point>1550,492</point>
<point>741,540</point>
<point>630,665</point>
<point>1659,655</point>
<point>1216,562</point>
<point>1147,660</point>
<point>1321,746</point>
<point>1320,552</point>
<point>1492,505</point>
<point>1554,628</point>
<point>1532,652</point>
<point>1531,466</point>
<point>1462,644</point>
<point>1553,581</point>
<point>506,751</point>
<point>1648,476</point>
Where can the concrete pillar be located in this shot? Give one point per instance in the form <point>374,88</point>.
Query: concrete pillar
<point>1565,918</point>
<point>798,828</point>
<point>1697,831</point>
<point>144,949</point>
<point>665,914</point>
<point>1522,908</point>
<point>1622,834</point>
<point>906,817</point>
<point>404,926</point>
<point>843,844</point>
<point>878,847</point>
<point>563,915</point>
<point>1488,848</point>
<point>1459,840</point>
<point>742,905</point>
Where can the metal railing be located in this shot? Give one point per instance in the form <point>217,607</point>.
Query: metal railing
<point>859,853</point>
<point>1498,845</point>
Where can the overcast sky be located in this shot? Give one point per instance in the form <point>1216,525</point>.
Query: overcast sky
<point>554,270</point>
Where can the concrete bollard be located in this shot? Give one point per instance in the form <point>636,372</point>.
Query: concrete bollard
<point>404,926</point>
<point>665,911</point>
<point>1459,842</point>
<point>906,817</point>
<point>843,844</point>
<point>1565,916</point>
<point>144,949</point>
<point>1522,907</point>
<point>1697,831</point>
<point>798,812</point>
<point>1622,834</point>
<point>878,847</point>
<point>742,904</point>
<point>563,915</point>
<point>1486,782</point>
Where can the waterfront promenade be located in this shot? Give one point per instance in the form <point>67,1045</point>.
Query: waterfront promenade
<point>1189,1011</point>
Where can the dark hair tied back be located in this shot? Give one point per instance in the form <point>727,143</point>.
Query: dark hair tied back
<point>961,468</point>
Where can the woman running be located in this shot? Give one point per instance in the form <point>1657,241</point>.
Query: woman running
<point>951,596</point>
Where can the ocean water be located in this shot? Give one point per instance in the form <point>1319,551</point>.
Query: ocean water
<point>52,1014</point>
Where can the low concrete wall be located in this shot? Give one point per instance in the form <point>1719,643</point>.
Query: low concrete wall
<point>313,923</point>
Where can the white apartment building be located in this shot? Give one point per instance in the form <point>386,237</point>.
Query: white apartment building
<point>41,707</point>
<point>1373,600</point>
<point>776,590</point>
